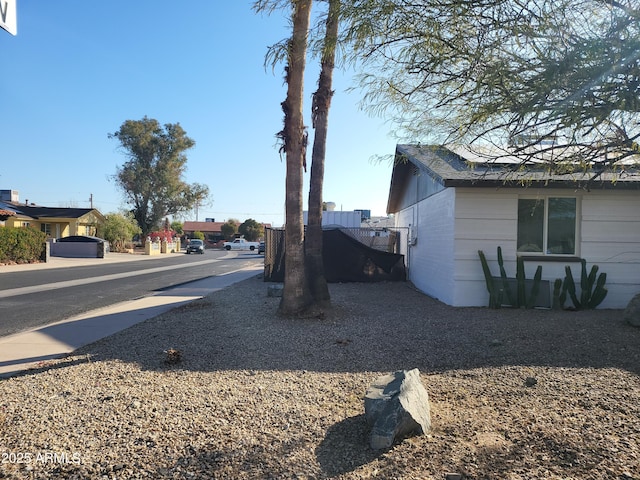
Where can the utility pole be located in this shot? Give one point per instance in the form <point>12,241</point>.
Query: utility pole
<point>91,200</point>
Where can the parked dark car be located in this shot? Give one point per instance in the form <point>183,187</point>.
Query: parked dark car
<point>195,246</point>
<point>261,248</point>
<point>85,239</point>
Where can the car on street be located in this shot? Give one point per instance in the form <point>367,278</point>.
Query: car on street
<point>195,246</point>
<point>240,244</point>
<point>261,248</point>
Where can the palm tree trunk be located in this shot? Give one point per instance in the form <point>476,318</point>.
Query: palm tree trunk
<point>295,296</point>
<point>320,115</point>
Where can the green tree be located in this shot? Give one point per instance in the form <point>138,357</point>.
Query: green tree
<point>199,235</point>
<point>229,228</point>
<point>151,178</point>
<point>251,230</point>
<point>530,75</point>
<point>176,226</point>
<point>119,229</point>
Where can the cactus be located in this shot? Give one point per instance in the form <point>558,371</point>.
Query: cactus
<point>597,296</point>
<point>590,297</point>
<point>496,295</point>
<point>505,282</point>
<point>559,294</point>
<point>495,300</point>
<point>535,288</point>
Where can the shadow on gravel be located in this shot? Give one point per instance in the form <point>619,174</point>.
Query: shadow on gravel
<point>375,327</point>
<point>345,447</point>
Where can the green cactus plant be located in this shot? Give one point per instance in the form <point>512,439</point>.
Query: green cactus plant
<point>592,291</point>
<point>495,300</point>
<point>521,298</point>
<point>505,282</point>
<point>524,300</point>
<point>559,294</point>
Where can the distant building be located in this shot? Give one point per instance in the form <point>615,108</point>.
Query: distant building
<point>212,230</point>
<point>343,219</point>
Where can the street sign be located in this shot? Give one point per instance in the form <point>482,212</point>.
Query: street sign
<point>8,17</point>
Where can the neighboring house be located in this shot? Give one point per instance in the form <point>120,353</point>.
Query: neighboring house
<point>212,230</point>
<point>54,222</point>
<point>4,214</point>
<point>454,204</point>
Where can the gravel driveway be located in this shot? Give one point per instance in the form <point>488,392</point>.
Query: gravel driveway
<point>515,394</point>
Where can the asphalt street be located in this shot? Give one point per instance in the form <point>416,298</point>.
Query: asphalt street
<point>31,297</point>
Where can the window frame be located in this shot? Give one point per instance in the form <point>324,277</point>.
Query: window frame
<point>545,227</point>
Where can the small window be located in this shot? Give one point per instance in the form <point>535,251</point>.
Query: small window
<point>547,225</point>
<point>46,228</point>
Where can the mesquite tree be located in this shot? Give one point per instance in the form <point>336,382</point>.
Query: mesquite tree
<point>532,75</point>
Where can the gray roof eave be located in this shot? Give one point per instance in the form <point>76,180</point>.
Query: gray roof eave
<point>453,171</point>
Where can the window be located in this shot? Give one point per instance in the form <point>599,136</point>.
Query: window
<point>547,225</point>
<point>46,228</point>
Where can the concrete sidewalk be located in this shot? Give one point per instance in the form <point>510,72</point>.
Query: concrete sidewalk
<point>26,350</point>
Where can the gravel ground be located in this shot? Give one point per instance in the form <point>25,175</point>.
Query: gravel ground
<point>255,396</point>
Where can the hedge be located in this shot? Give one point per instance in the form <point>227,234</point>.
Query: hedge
<point>21,245</point>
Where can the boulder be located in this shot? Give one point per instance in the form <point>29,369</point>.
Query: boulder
<point>631,314</point>
<point>396,405</point>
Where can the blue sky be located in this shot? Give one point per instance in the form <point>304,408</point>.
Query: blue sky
<point>78,69</point>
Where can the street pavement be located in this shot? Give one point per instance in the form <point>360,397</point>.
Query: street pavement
<point>30,349</point>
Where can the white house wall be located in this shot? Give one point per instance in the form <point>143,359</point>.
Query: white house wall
<point>485,219</point>
<point>611,240</point>
<point>452,225</point>
<point>429,259</point>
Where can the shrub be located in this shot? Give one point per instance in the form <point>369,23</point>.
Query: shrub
<point>21,245</point>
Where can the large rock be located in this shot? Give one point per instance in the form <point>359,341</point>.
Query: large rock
<point>396,405</point>
<point>632,313</point>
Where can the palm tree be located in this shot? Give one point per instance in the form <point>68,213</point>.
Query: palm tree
<point>320,118</point>
<point>296,298</point>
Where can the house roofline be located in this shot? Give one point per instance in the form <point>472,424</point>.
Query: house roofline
<point>450,169</point>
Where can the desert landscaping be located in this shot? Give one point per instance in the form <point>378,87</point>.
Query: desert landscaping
<point>245,394</point>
